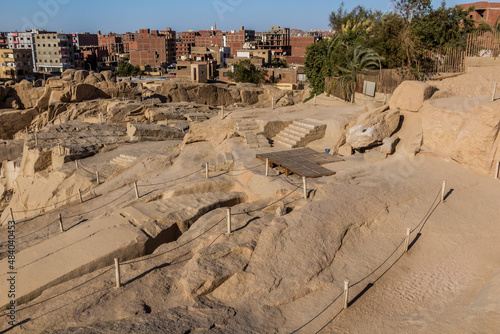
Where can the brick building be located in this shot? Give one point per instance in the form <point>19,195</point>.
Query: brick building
<point>16,64</point>
<point>483,10</point>
<point>237,39</point>
<point>298,47</point>
<point>154,48</point>
<point>112,42</point>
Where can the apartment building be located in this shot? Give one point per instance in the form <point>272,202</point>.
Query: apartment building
<point>20,40</point>
<point>112,42</point>
<point>54,52</point>
<point>155,49</point>
<point>237,39</point>
<point>16,64</point>
<point>86,39</point>
<point>277,40</point>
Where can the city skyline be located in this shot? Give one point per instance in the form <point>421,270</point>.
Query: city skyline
<point>110,16</point>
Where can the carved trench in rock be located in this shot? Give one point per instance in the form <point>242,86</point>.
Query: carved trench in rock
<point>175,231</point>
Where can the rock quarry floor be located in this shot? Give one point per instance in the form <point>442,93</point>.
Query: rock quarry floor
<point>273,274</point>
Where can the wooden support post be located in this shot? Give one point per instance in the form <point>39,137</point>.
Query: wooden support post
<point>443,189</point>
<point>100,118</point>
<point>76,163</point>
<point>12,215</point>
<point>407,240</point>
<point>61,226</point>
<point>97,177</point>
<point>206,170</point>
<point>494,91</point>
<point>117,272</point>
<point>267,166</point>
<point>314,99</point>
<point>36,138</point>
<point>346,293</point>
<point>80,194</point>
<point>497,170</point>
<point>136,190</point>
<point>59,148</point>
<point>229,230</point>
<point>27,130</point>
<point>305,186</point>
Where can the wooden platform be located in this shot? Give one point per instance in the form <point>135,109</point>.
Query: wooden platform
<point>304,162</point>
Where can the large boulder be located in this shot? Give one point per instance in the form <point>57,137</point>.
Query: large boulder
<point>28,95</point>
<point>410,95</point>
<point>83,92</point>
<point>478,144</point>
<point>463,129</point>
<point>68,74</point>
<point>109,76</point>
<point>94,78</point>
<point>80,76</point>
<point>442,121</point>
<point>372,127</point>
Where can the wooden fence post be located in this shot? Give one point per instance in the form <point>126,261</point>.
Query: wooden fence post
<point>136,190</point>
<point>229,230</point>
<point>117,272</point>
<point>346,293</point>
<point>61,226</point>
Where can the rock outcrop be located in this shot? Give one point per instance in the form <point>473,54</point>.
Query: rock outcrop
<point>463,129</point>
<point>410,95</point>
<point>372,127</point>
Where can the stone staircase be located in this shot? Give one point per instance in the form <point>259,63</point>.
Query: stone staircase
<point>123,160</point>
<point>248,128</point>
<point>223,162</point>
<point>300,133</point>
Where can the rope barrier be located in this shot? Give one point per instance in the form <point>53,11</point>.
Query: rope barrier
<point>426,217</point>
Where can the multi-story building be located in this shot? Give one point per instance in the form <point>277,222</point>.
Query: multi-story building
<point>3,40</point>
<point>20,40</point>
<point>237,39</point>
<point>277,40</point>
<point>185,41</point>
<point>15,64</point>
<point>209,38</point>
<point>129,41</point>
<point>298,47</point>
<point>85,39</point>
<point>54,52</point>
<point>112,42</point>
<point>154,48</point>
<point>483,10</point>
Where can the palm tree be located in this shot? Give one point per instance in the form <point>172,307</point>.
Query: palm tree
<point>357,59</point>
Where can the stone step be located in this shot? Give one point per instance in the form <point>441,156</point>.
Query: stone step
<point>290,135</point>
<point>307,124</point>
<point>281,143</point>
<point>284,139</point>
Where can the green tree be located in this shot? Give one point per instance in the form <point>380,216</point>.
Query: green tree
<point>126,69</point>
<point>317,66</point>
<point>278,62</point>
<point>245,71</point>
<point>357,59</point>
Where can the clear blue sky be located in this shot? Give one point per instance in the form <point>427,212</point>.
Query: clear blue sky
<point>131,15</point>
